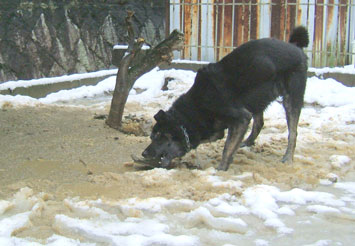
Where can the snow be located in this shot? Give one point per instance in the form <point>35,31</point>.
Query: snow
<point>190,62</point>
<point>103,86</point>
<point>322,209</point>
<point>328,92</point>
<point>96,221</point>
<point>4,205</point>
<point>339,161</point>
<point>261,242</point>
<point>261,215</point>
<point>28,83</point>
<point>320,243</point>
<point>349,69</point>
<point>228,224</point>
<point>13,223</point>
<point>347,186</point>
<point>124,47</point>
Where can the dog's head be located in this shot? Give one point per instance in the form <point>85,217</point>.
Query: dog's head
<point>169,140</point>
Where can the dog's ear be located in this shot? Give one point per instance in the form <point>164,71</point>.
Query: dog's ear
<point>161,116</point>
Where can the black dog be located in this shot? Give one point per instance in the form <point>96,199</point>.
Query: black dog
<point>227,94</point>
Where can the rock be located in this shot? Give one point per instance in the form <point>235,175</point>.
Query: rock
<point>52,38</point>
<point>131,124</point>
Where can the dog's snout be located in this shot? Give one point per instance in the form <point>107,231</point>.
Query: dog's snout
<point>148,152</point>
<point>145,153</point>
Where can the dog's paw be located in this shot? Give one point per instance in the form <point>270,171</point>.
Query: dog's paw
<point>287,160</point>
<point>247,144</point>
<point>222,168</point>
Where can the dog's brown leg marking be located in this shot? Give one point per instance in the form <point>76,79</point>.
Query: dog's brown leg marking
<point>234,138</point>
<point>258,123</point>
<point>292,117</point>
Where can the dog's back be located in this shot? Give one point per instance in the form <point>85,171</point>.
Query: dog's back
<point>264,59</point>
<point>255,73</point>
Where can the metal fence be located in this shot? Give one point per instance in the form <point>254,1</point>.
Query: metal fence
<point>213,28</point>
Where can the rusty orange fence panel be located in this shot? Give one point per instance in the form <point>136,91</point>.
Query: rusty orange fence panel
<point>213,28</point>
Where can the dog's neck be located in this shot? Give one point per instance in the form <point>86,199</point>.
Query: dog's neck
<point>194,128</point>
<point>189,129</point>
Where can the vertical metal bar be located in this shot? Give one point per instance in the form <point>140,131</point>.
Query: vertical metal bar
<point>216,7</point>
<point>187,28</point>
<point>193,22</point>
<point>238,21</point>
<point>254,19</point>
<point>244,21</point>
<point>227,27</point>
<point>310,28</point>
<point>324,35</point>
<point>318,33</point>
<point>249,21</point>
<point>343,29</point>
<point>286,15</point>
<point>199,43</point>
<point>296,20</point>
<point>222,43</point>
<point>182,25</point>
<point>210,42</point>
<point>232,23</point>
<point>346,57</point>
<point>352,31</point>
<point>167,18</point>
<point>275,18</point>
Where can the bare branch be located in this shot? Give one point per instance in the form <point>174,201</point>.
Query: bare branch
<point>160,54</point>
<point>130,30</point>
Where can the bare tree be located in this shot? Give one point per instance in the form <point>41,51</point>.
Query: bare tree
<point>134,64</point>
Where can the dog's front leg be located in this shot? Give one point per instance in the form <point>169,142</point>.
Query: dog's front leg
<point>235,136</point>
<point>258,123</point>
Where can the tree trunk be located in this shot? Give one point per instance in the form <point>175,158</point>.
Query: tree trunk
<point>131,69</point>
<point>120,94</point>
<point>118,103</point>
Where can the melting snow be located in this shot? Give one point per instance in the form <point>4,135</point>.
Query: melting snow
<point>261,216</point>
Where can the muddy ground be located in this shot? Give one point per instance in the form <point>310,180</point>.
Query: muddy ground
<point>61,152</point>
<point>65,151</point>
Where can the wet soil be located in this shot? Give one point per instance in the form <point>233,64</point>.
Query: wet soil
<point>65,151</point>
<point>61,152</point>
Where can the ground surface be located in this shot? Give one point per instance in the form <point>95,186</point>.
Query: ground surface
<point>65,152</point>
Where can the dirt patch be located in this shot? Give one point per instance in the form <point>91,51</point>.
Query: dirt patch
<point>65,152</point>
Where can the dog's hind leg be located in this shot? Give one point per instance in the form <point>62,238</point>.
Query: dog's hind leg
<point>236,132</point>
<point>293,103</point>
<point>258,123</point>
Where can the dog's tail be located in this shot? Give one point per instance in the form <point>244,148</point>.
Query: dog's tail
<point>299,37</point>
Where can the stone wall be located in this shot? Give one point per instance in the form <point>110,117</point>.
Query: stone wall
<point>56,37</point>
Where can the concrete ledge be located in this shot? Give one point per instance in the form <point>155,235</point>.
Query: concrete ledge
<point>39,91</point>
<point>344,78</point>
<point>194,66</point>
